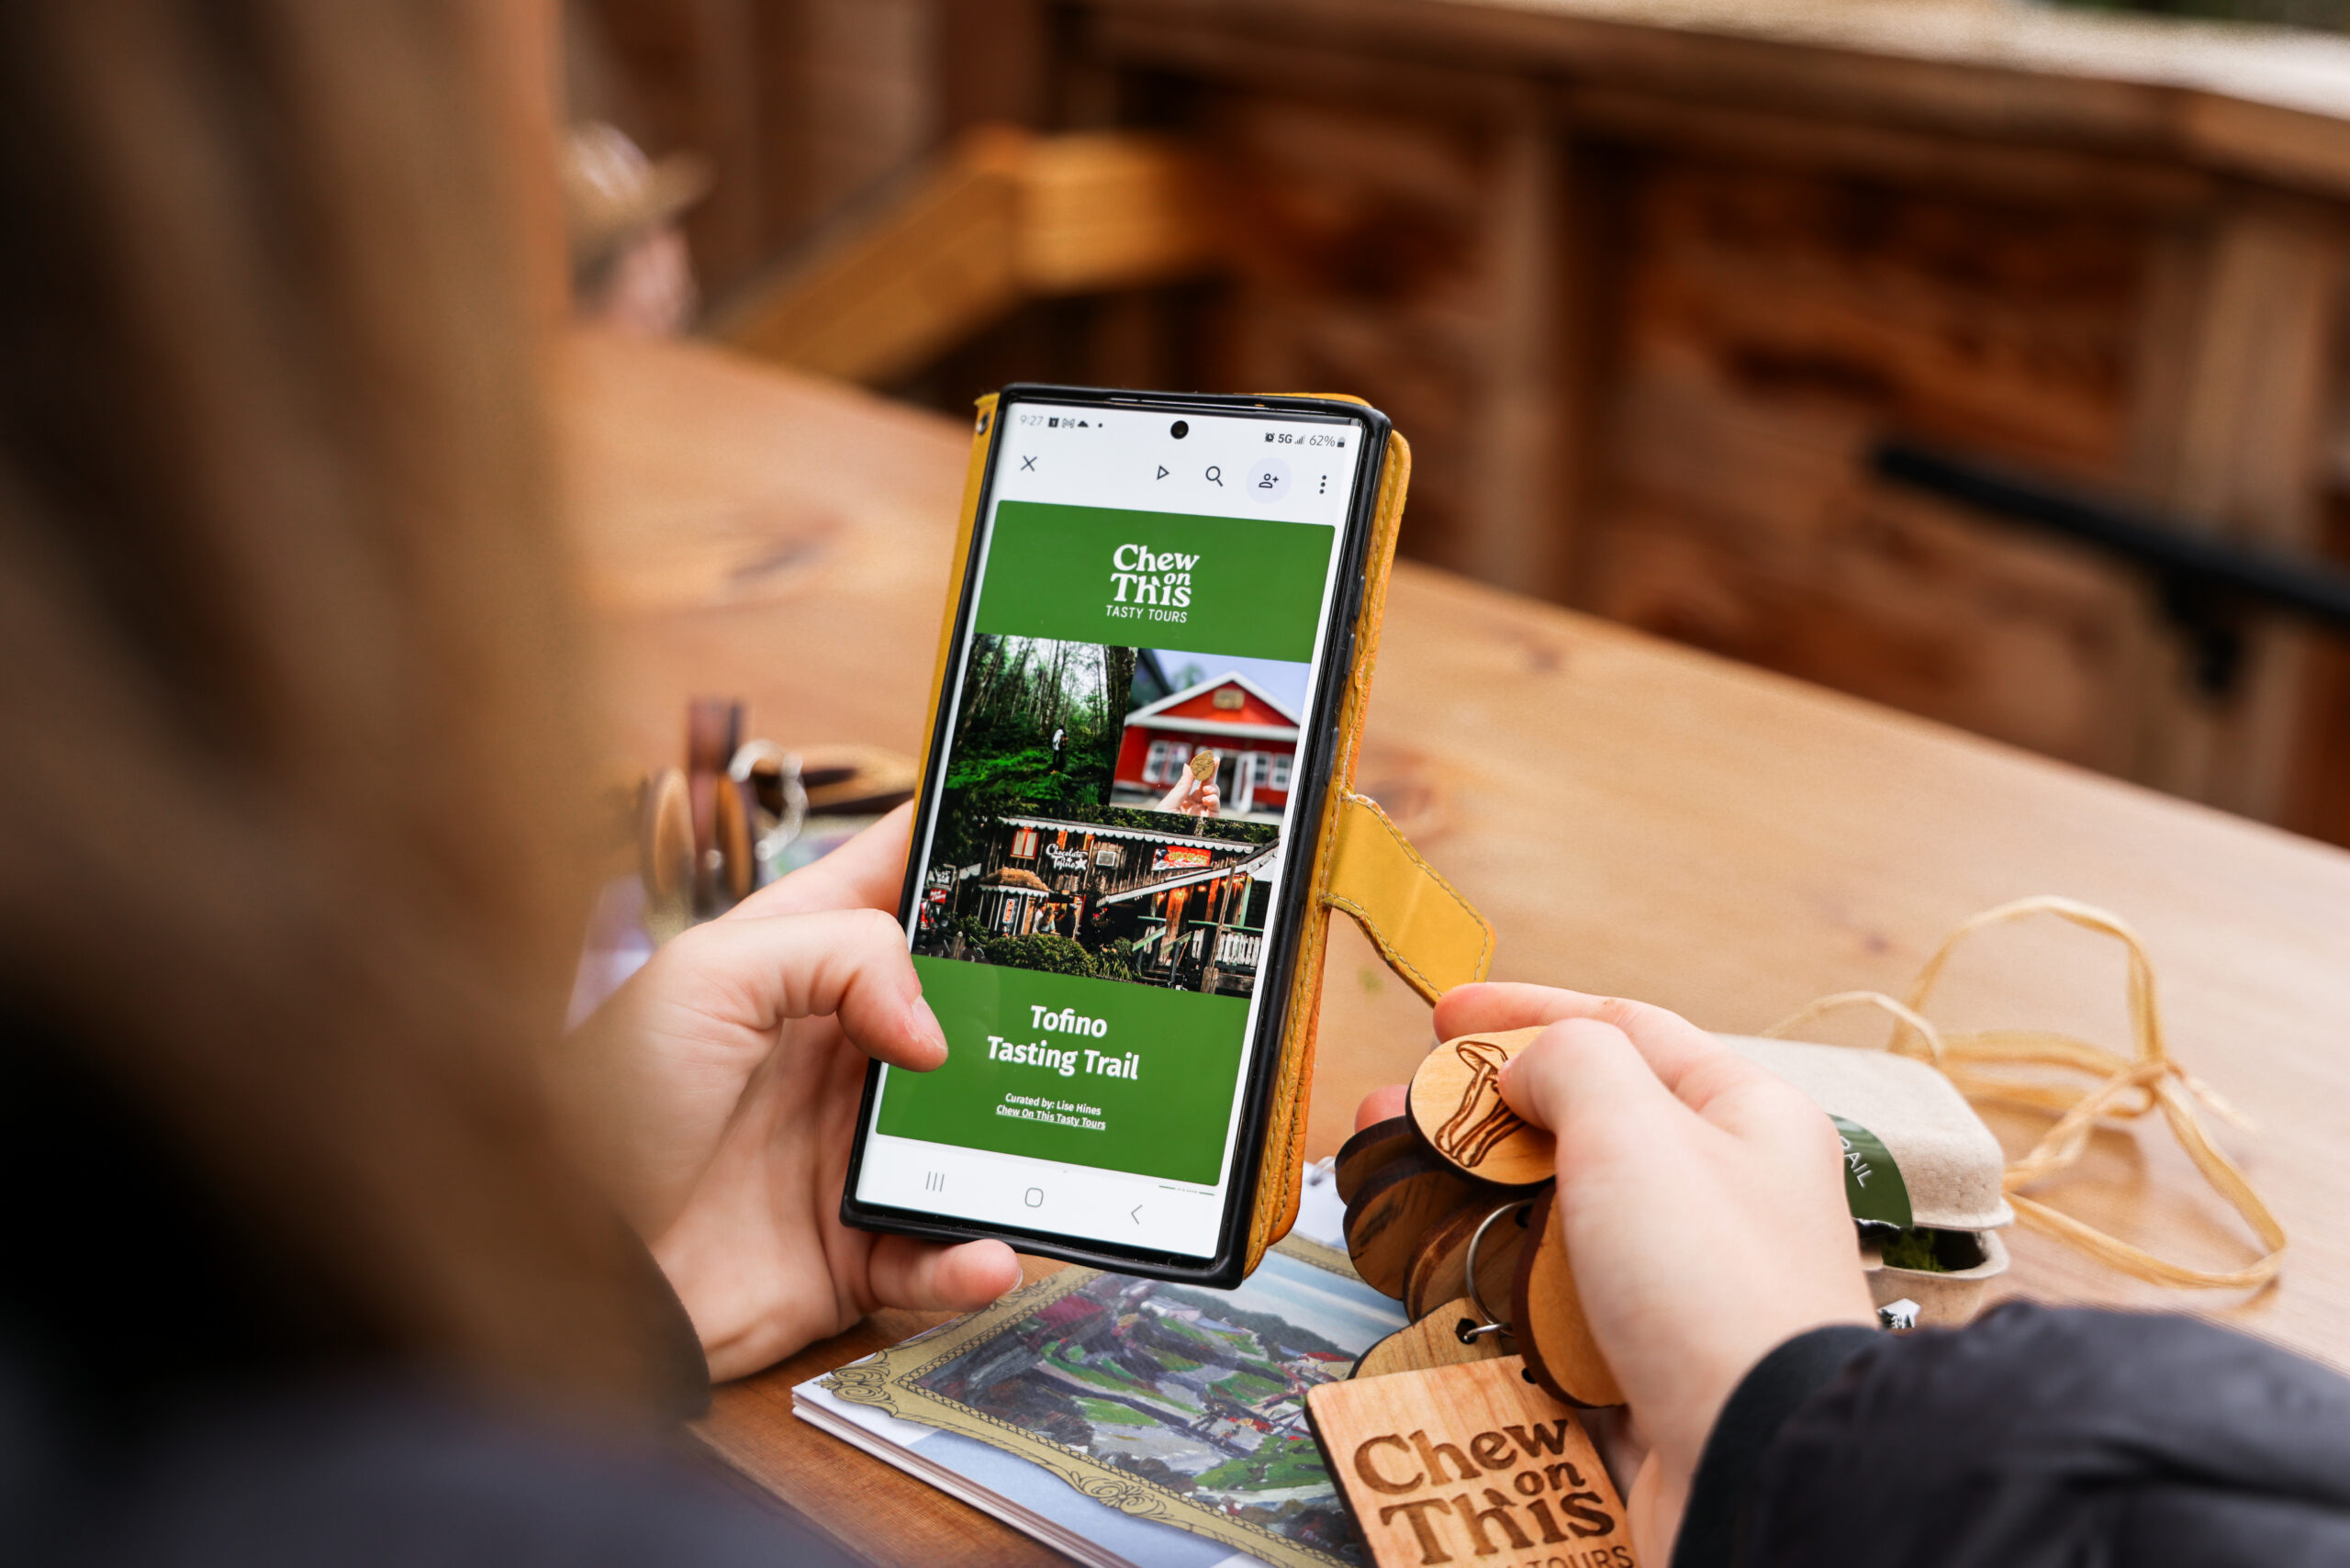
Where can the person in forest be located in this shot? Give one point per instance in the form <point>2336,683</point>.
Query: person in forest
<point>1060,738</point>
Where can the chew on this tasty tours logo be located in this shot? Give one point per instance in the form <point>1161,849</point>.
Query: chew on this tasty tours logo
<point>1148,582</point>
<point>1223,587</point>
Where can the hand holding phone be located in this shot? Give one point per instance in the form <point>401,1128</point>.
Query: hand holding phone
<point>716,1092</point>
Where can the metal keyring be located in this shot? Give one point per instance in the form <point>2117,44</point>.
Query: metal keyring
<point>1493,1323</point>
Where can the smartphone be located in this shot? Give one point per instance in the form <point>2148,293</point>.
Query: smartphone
<point>1135,731</point>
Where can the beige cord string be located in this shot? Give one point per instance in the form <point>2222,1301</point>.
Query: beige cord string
<point>2129,1086</point>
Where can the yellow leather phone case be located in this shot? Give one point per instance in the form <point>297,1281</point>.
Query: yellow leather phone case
<point>1428,933</point>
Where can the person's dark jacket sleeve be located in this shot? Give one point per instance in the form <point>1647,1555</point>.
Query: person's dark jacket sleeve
<point>2032,1436</point>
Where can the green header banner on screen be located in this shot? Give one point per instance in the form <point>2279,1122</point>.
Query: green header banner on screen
<point>1248,587</point>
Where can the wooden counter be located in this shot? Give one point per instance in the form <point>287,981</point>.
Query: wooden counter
<point>1635,818</point>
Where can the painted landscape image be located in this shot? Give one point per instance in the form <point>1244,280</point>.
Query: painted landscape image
<point>1200,1392</point>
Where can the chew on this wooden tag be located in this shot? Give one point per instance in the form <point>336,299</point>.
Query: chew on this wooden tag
<point>1371,1151</point>
<point>1459,1463</point>
<point>1434,1341</point>
<point>1439,1271</point>
<point>1457,1102</point>
<point>1393,1213</point>
<point>1546,1317</point>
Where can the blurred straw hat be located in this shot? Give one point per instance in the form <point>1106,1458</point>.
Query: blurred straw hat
<point>613,192</point>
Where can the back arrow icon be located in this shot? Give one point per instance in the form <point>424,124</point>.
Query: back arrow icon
<point>1138,1214</point>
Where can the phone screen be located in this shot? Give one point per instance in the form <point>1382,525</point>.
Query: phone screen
<point>1132,715</point>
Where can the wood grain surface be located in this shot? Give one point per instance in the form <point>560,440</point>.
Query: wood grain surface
<point>1433,1340</point>
<point>1546,1312</point>
<point>1439,1272</point>
<point>1397,1210</point>
<point>1636,819</point>
<point>1371,1151</point>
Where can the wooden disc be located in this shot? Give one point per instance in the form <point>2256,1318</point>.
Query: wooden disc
<point>1441,1251</point>
<point>1440,1271</point>
<point>1370,1150</point>
<point>1393,1213</point>
<point>1546,1317</point>
<point>737,872</point>
<point>666,855</point>
<point>1433,1341</point>
<point>1457,1102</point>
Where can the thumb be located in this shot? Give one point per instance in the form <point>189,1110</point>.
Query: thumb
<point>1583,1068</point>
<point>761,973</point>
<point>903,1272</point>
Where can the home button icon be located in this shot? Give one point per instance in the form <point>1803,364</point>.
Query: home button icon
<point>1033,1197</point>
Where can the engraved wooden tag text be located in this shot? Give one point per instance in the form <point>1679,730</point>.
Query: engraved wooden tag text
<point>1467,1463</point>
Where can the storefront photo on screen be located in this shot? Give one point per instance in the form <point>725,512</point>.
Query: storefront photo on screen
<point>1112,813</point>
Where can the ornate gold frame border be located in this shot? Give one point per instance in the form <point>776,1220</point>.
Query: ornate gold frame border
<point>886,1381</point>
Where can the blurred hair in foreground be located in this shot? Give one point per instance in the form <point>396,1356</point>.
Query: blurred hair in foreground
<point>287,877</point>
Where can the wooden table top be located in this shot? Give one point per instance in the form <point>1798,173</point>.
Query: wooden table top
<point>1635,818</point>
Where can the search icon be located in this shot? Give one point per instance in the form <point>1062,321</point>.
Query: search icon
<point>1215,477</point>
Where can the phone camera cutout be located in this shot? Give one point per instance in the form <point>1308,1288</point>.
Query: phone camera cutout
<point>1180,428</point>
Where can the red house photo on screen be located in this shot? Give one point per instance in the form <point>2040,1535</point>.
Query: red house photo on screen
<point>1253,734</point>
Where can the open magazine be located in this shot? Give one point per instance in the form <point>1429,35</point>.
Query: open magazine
<point>1127,1422</point>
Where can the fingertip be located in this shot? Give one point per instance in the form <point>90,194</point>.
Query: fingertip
<point>928,1277</point>
<point>974,1273</point>
<point>1459,1002</point>
<point>1518,1083</point>
<point>930,1049</point>
<point>1504,1004</point>
<point>1382,1104</point>
<point>1571,1054</point>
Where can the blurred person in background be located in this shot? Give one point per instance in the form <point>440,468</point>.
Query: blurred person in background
<point>631,268</point>
<point>307,1263</point>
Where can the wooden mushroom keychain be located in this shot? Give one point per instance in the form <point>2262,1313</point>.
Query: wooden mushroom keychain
<point>1456,1436</point>
<point>1377,1227</point>
<point>1446,1446</point>
<point>1460,1166</point>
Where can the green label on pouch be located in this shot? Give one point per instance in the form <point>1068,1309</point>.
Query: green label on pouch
<point>1086,1071</point>
<point>1243,587</point>
<point>1873,1189</point>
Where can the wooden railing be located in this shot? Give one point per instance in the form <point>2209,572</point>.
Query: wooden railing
<point>1003,218</point>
